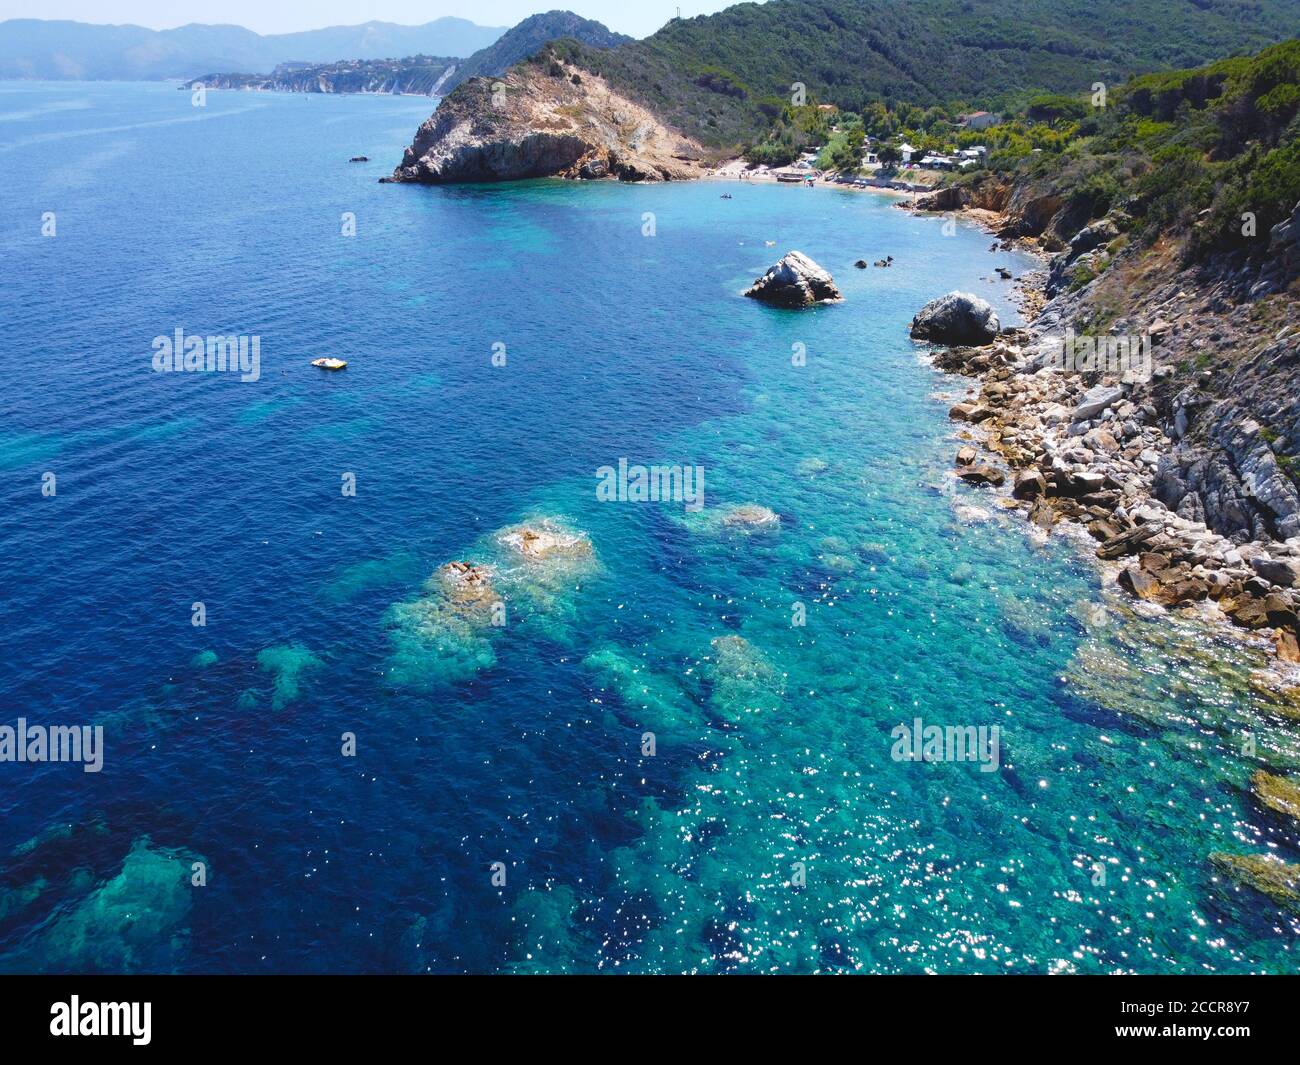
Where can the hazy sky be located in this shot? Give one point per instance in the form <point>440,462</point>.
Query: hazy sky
<point>637,17</point>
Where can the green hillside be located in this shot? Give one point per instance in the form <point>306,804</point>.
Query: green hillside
<point>711,75</point>
<point>1185,152</point>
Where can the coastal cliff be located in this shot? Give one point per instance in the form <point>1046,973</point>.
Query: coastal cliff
<point>545,118</point>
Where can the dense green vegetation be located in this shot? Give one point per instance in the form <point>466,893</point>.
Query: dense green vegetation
<point>1212,152</point>
<point>725,77</point>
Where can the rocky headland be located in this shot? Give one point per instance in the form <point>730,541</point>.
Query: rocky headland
<point>545,118</point>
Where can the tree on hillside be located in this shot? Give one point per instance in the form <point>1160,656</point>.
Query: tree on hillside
<point>889,155</point>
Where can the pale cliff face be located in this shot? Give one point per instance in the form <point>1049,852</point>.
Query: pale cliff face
<point>545,119</point>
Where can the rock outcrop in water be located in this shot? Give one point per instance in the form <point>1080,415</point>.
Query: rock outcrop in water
<point>545,118</point>
<point>749,516</point>
<point>531,573</point>
<point>467,585</point>
<point>546,541</point>
<point>957,318</point>
<point>795,281</point>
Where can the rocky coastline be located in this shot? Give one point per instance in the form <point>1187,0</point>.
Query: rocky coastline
<point>1180,475</point>
<point>1184,492</point>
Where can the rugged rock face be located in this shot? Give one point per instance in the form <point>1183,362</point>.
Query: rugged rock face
<point>544,118</point>
<point>1083,256</point>
<point>1027,209</point>
<point>795,281</point>
<point>986,194</point>
<point>1187,472</point>
<point>1283,261</point>
<point>957,318</point>
<point>1226,388</point>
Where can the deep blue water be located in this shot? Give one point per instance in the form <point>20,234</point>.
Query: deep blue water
<point>521,744</point>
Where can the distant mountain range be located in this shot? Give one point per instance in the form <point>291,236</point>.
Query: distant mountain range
<point>58,50</point>
<point>423,74</point>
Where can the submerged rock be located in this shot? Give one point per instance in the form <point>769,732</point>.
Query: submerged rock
<point>957,318</point>
<point>438,641</point>
<point>133,922</point>
<point>812,467</point>
<point>655,699</point>
<point>750,516</point>
<point>795,281</point>
<point>1263,872</point>
<point>1277,793</point>
<point>744,681</point>
<point>288,663</point>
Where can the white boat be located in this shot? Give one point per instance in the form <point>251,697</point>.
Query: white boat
<point>330,364</point>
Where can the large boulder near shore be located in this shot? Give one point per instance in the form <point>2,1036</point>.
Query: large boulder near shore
<point>795,281</point>
<point>957,318</point>
<point>981,475</point>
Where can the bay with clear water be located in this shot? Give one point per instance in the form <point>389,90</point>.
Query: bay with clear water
<point>771,829</point>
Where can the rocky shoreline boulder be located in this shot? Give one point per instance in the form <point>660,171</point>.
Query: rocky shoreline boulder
<point>795,281</point>
<point>957,318</point>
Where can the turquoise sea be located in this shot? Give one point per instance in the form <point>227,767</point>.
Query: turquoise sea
<point>499,813</point>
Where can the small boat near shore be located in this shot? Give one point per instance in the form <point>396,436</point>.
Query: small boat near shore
<point>327,363</point>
